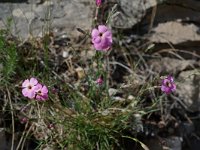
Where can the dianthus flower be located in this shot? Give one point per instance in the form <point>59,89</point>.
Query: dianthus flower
<point>41,92</point>
<point>29,87</point>
<point>102,38</point>
<point>168,85</point>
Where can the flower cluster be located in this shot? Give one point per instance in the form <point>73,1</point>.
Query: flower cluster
<point>102,41</point>
<point>168,85</point>
<point>34,90</point>
<point>102,38</point>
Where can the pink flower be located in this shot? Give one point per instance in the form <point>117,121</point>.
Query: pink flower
<point>99,81</point>
<point>98,2</point>
<point>168,85</point>
<point>102,38</point>
<point>41,92</point>
<point>29,87</point>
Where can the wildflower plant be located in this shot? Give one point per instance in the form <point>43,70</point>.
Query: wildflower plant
<point>83,115</point>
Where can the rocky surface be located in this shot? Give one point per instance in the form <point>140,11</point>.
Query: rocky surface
<point>172,65</point>
<point>38,17</point>
<point>170,143</point>
<point>189,89</point>
<point>175,25</point>
<point>169,21</point>
<point>175,32</point>
<point>131,12</point>
<point>175,21</point>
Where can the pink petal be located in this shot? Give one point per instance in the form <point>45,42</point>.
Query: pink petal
<point>31,94</point>
<point>44,97</point>
<point>25,92</point>
<point>167,90</point>
<point>110,40</point>
<point>170,78</point>
<point>103,45</point>
<point>98,46</point>
<point>173,87</point>
<point>95,33</point>
<point>96,40</point>
<point>38,87</point>
<point>38,97</point>
<point>106,43</point>
<point>108,34</point>
<point>163,88</point>
<point>33,81</point>
<point>102,28</point>
<point>164,82</point>
<point>44,89</point>
<point>25,83</point>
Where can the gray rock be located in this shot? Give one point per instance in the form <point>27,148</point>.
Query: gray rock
<point>37,18</point>
<point>173,143</point>
<point>175,33</point>
<point>169,143</point>
<point>131,12</point>
<point>189,89</point>
<point>112,91</point>
<point>170,65</point>
<point>175,21</point>
<point>181,10</point>
<point>153,144</point>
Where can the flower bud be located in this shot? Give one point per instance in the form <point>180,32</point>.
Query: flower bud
<point>99,81</point>
<point>98,3</point>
